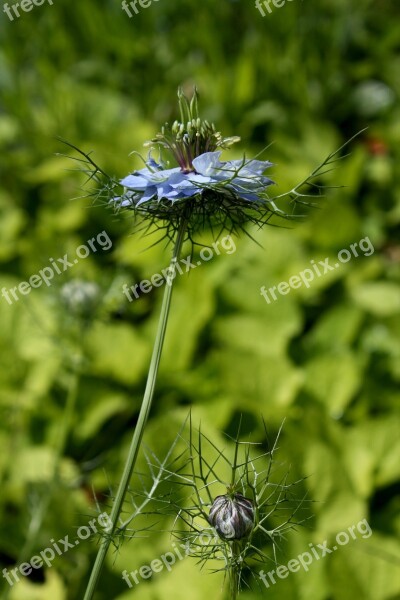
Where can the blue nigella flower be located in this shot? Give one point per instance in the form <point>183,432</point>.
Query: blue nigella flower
<point>201,192</point>
<point>242,179</point>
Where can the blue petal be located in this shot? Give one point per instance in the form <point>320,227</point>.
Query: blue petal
<point>134,182</point>
<point>161,176</point>
<point>126,202</point>
<point>185,183</point>
<point>251,183</point>
<point>189,192</point>
<point>145,172</point>
<point>199,178</point>
<point>164,190</point>
<point>148,194</point>
<point>256,167</point>
<point>206,164</point>
<point>177,179</point>
<point>152,164</point>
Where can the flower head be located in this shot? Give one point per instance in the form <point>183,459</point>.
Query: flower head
<point>240,529</point>
<point>191,185</point>
<point>204,188</point>
<point>232,516</point>
<point>236,177</point>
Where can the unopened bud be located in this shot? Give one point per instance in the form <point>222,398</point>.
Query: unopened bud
<point>232,516</point>
<point>175,127</point>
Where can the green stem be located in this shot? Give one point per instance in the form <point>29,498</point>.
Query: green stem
<point>234,572</point>
<point>233,583</point>
<point>142,419</point>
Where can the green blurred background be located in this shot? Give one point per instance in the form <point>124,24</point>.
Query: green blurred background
<point>327,359</point>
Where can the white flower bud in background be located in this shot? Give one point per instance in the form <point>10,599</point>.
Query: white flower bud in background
<point>80,297</point>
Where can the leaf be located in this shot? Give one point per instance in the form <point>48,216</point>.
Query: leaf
<point>366,568</point>
<point>105,407</point>
<point>336,328</point>
<point>118,351</point>
<point>264,384</point>
<point>378,442</point>
<point>381,298</point>
<point>265,337</point>
<point>334,378</point>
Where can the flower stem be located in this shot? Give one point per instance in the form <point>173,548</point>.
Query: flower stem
<point>234,572</point>
<point>233,583</point>
<point>143,415</point>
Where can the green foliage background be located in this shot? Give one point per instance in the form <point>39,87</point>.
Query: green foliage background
<point>305,77</point>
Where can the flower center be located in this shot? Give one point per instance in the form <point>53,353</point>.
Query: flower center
<point>191,136</point>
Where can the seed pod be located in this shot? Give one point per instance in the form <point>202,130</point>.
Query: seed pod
<point>232,516</point>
